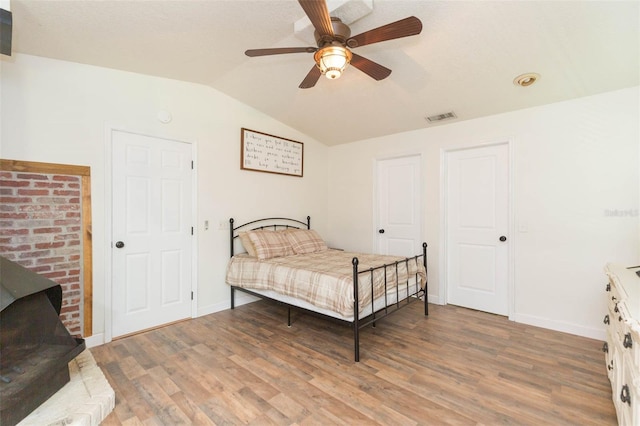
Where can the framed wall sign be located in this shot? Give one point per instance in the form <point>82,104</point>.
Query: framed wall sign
<point>262,152</point>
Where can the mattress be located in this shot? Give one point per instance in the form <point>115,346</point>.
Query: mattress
<point>323,281</point>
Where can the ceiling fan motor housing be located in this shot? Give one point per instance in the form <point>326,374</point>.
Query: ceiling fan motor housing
<point>341,32</point>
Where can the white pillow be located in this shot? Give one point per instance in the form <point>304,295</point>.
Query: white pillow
<point>305,241</point>
<point>268,244</point>
<point>247,244</point>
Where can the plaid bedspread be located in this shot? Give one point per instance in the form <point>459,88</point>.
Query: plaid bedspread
<point>324,279</point>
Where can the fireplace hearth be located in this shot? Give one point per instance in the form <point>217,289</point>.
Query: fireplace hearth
<point>35,347</point>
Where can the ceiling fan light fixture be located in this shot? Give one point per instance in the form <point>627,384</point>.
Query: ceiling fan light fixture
<point>332,60</point>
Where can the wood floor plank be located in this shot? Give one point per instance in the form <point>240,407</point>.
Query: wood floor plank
<point>129,402</point>
<point>455,367</point>
<point>134,421</point>
<point>190,409</point>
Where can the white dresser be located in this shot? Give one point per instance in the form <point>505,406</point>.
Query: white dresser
<point>622,348</point>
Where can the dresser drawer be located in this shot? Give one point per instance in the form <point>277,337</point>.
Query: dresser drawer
<point>612,361</point>
<point>614,295</point>
<point>635,348</point>
<point>622,357</point>
<point>626,396</point>
<point>618,322</point>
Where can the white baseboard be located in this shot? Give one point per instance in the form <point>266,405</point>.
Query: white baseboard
<point>565,327</point>
<point>240,299</point>
<point>95,340</point>
<point>434,299</point>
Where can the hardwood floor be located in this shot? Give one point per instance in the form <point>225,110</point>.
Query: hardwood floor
<point>457,366</point>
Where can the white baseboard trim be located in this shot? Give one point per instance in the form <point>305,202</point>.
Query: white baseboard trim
<point>434,299</point>
<point>565,327</point>
<point>241,299</point>
<point>95,340</point>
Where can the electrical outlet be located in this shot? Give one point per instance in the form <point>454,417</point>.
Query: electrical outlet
<point>206,225</point>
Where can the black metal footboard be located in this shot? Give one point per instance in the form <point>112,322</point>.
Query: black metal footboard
<point>389,308</point>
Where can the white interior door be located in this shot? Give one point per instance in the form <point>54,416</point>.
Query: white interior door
<point>477,228</point>
<point>398,196</point>
<point>151,241</point>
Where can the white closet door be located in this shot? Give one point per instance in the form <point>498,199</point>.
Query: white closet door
<point>399,222</point>
<point>477,228</point>
<point>151,241</point>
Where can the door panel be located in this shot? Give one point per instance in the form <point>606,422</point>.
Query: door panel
<point>137,267</point>
<point>478,273</point>
<point>172,269</point>
<point>477,193</point>
<point>477,216</point>
<point>171,220</point>
<point>398,210</point>
<point>152,209</point>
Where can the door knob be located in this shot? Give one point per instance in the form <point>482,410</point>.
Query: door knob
<point>380,231</point>
<point>119,244</point>
<point>503,238</point>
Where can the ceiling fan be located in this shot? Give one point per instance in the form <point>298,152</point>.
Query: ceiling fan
<point>334,40</point>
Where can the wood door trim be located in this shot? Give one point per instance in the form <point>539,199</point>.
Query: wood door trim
<point>87,254</point>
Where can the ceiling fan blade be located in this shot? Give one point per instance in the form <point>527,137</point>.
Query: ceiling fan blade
<point>372,69</point>
<point>311,79</point>
<point>318,14</point>
<point>402,28</point>
<point>279,50</point>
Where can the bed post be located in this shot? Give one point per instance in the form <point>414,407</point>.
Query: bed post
<point>356,305</point>
<point>233,304</point>
<point>424,260</point>
<point>231,237</point>
<point>233,294</point>
<point>308,222</point>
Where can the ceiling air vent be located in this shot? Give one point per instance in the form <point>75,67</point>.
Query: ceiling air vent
<point>440,117</point>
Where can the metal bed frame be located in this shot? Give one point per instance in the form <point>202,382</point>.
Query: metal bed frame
<point>276,223</point>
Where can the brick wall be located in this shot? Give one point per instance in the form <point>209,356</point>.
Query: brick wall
<point>41,229</point>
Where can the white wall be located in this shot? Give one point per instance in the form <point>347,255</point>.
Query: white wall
<point>574,164</point>
<point>58,112</point>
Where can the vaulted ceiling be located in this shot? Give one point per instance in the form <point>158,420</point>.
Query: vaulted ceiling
<point>464,61</point>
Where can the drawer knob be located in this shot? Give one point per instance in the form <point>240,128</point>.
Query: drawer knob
<point>627,342</point>
<point>624,395</point>
<point>606,319</point>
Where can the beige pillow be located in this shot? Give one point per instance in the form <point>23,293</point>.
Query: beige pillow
<point>305,241</point>
<point>268,244</point>
<point>247,244</point>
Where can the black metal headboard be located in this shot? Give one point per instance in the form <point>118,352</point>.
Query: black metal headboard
<point>274,223</point>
